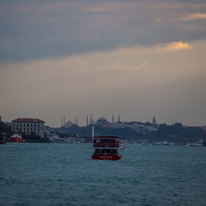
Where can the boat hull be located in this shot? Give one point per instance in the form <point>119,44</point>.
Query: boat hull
<point>106,157</point>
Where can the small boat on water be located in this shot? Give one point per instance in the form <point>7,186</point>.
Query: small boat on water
<point>16,138</point>
<point>164,143</point>
<point>106,148</point>
<point>57,139</point>
<point>78,140</point>
<point>122,146</point>
<point>200,143</point>
<point>168,143</point>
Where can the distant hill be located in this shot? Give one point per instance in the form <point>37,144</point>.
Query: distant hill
<point>171,133</point>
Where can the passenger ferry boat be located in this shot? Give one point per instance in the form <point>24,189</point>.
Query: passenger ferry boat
<point>106,148</point>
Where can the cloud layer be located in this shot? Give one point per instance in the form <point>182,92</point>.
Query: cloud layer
<point>42,29</point>
<point>136,82</point>
<point>172,46</point>
<point>194,16</point>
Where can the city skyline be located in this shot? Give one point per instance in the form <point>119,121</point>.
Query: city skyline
<point>91,120</point>
<point>134,58</point>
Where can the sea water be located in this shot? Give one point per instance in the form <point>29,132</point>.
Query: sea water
<point>64,174</point>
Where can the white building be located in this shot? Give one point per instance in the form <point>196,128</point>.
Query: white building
<point>28,126</point>
<point>151,128</point>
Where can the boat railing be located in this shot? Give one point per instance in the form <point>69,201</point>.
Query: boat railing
<point>99,144</point>
<point>106,153</point>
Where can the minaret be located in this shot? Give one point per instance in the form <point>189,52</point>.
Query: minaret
<point>87,121</point>
<point>112,118</point>
<point>119,118</point>
<point>61,121</point>
<point>77,120</point>
<point>91,121</point>
<point>64,120</point>
<point>154,121</point>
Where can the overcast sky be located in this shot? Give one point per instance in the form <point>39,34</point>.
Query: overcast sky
<point>130,58</point>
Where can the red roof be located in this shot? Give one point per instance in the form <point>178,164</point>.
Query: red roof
<point>106,137</point>
<point>27,120</point>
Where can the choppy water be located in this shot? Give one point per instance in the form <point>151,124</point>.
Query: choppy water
<point>64,174</point>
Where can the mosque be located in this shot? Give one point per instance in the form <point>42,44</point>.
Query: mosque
<point>104,123</point>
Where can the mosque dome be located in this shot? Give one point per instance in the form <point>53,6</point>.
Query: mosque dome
<point>102,120</point>
<point>68,124</point>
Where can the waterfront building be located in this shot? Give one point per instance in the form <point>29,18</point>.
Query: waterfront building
<point>151,128</point>
<point>28,126</point>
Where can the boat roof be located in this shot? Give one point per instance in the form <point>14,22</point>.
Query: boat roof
<point>106,137</point>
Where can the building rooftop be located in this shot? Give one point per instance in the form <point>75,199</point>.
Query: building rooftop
<point>28,120</point>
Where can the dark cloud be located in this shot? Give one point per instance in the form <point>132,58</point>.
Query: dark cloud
<point>39,29</point>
